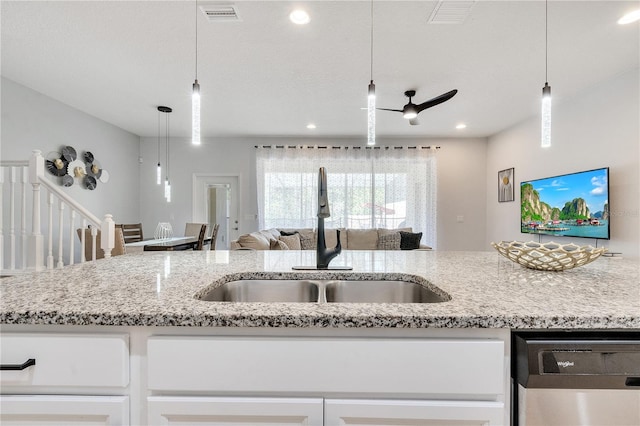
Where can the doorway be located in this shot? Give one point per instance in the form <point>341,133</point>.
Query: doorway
<point>215,201</point>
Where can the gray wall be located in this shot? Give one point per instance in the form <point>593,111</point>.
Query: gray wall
<point>461,183</point>
<point>595,129</point>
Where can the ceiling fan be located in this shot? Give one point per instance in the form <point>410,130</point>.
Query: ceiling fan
<point>410,111</point>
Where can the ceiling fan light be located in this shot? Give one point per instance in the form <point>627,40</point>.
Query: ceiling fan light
<point>410,113</point>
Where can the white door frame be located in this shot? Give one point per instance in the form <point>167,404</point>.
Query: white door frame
<point>200,185</point>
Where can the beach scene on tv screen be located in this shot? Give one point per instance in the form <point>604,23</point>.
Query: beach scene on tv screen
<point>573,205</point>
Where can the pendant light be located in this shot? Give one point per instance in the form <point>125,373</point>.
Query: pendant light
<point>371,97</point>
<point>167,183</point>
<point>195,97</point>
<point>545,141</point>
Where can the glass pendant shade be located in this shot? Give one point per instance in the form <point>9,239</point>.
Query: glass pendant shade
<point>371,114</point>
<point>195,114</point>
<point>546,116</point>
<point>159,175</point>
<point>167,190</point>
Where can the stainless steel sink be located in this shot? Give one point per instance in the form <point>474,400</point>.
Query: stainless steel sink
<point>324,291</point>
<point>381,292</point>
<point>264,291</point>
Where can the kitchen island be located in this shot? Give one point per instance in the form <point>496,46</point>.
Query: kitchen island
<point>175,358</point>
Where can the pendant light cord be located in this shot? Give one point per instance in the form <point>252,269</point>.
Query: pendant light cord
<point>158,136</point>
<point>196,14</point>
<point>546,41</point>
<point>371,40</point>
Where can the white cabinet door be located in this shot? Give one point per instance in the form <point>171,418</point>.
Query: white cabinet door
<point>412,412</point>
<point>210,411</point>
<point>61,410</point>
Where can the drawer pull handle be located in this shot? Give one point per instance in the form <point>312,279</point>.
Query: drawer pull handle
<point>632,381</point>
<point>26,364</point>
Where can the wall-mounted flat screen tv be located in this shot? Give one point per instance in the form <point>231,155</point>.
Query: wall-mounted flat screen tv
<point>571,205</point>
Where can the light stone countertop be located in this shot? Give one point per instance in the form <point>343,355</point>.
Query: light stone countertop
<point>487,291</point>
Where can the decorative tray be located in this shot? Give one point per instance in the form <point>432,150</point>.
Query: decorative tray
<point>548,256</point>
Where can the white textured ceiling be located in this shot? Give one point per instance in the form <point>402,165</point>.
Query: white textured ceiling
<point>264,76</point>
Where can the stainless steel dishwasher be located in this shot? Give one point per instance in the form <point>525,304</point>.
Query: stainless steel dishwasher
<point>576,378</point>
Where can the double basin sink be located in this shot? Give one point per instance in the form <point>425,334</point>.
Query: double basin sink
<point>324,291</point>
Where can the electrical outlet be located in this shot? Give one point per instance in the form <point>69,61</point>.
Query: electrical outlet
<point>460,218</point>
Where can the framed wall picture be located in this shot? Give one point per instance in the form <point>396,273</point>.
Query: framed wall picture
<point>505,185</point>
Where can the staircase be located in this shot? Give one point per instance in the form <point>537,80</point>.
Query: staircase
<point>28,196</point>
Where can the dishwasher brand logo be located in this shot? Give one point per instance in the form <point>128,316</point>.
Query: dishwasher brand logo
<point>565,364</point>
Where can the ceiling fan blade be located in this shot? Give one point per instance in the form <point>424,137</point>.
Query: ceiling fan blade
<point>387,109</point>
<point>437,100</point>
<point>414,122</point>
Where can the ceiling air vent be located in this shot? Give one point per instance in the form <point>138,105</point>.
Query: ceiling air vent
<point>220,12</point>
<point>450,12</point>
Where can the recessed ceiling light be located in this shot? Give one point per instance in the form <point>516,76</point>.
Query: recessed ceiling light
<point>461,126</point>
<point>630,17</point>
<point>311,126</point>
<point>299,17</point>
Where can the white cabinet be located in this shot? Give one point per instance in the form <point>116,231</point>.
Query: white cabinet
<point>383,381</point>
<point>73,379</point>
<point>50,410</point>
<point>213,411</point>
<point>411,412</point>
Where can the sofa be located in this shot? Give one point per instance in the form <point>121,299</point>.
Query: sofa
<point>350,239</point>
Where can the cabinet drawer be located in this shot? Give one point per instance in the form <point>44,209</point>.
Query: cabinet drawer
<point>412,367</point>
<point>68,410</point>
<point>65,359</point>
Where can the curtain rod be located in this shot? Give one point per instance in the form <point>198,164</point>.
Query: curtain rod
<point>345,147</point>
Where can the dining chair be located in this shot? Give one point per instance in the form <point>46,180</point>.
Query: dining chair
<point>214,236</point>
<point>117,250</point>
<point>201,235</point>
<point>132,232</point>
<point>193,229</point>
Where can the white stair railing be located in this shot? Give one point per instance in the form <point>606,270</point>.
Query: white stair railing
<point>27,251</point>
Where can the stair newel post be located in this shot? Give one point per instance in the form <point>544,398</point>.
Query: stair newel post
<point>108,238</point>
<point>36,171</point>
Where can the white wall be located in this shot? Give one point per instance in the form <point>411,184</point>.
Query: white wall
<point>461,183</point>
<point>595,129</point>
<point>31,120</point>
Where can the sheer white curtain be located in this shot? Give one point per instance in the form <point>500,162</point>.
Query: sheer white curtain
<point>386,187</point>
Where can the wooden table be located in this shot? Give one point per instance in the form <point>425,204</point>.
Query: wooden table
<point>168,244</point>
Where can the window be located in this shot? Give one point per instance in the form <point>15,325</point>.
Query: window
<point>367,188</point>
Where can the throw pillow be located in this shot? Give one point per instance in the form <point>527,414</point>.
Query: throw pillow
<point>389,241</point>
<point>280,245</point>
<point>410,240</point>
<point>307,242</point>
<point>292,241</point>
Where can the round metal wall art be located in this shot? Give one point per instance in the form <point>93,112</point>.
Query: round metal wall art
<point>83,170</point>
